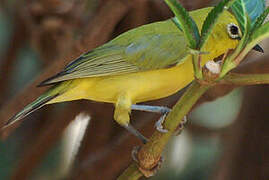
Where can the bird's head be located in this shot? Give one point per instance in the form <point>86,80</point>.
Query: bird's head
<point>225,35</point>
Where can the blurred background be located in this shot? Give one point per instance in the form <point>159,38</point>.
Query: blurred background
<point>226,137</point>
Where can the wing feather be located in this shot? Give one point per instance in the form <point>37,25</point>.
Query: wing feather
<point>153,48</point>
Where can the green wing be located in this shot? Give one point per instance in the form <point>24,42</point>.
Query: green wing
<point>149,47</point>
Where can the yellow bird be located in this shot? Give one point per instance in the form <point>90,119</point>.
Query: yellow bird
<point>143,64</point>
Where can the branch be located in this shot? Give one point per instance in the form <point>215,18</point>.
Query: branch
<point>150,153</point>
<point>131,173</point>
<point>245,79</point>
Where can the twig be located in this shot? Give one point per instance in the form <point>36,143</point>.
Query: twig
<point>131,173</point>
<point>245,79</point>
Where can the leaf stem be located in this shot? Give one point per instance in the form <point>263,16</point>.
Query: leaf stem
<point>245,79</point>
<point>196,61</point>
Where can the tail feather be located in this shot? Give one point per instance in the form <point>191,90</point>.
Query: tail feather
<point>38,103</point>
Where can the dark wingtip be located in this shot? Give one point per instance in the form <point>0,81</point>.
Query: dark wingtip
<point>48,82</point>
<point>43,83</point>
<point>11,121</point>
<point>26,111</point>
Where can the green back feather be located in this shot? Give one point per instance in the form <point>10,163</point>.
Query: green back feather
<point>148,47</point>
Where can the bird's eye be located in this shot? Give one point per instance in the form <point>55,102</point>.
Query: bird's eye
<point>233,31</point>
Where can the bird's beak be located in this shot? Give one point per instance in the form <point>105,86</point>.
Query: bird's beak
<point>258,48</point>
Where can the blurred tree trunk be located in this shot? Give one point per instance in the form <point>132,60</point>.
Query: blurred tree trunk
<point>246,143</point>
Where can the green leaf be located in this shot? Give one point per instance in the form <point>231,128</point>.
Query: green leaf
<point>246,34</point>
<point>258,35</point>
<point>260,19</point>
<point>253,8</point>
<point>229,63</point>
<point>211,20</point>
<point>185,23</point>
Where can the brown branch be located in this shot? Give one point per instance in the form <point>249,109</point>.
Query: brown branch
<point>17,41</point>
<point>137,16</point>
<point>51,24</point>
<point>96,33</point>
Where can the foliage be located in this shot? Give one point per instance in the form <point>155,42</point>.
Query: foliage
<point>250,7</point>
<point>185,22</point>
<point>211,20</point>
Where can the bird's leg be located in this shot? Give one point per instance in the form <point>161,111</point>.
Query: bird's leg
<point>159,124</point>
<point>121,115</point>
<point>148,108</point>
<point>162,110</point>
<point>156,109</point>
<point>135,132</point>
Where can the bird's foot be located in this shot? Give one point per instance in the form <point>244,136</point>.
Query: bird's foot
<point>181,126</point>
<point>146,172</point>
<point>159,123</point>
<point>156,109</point>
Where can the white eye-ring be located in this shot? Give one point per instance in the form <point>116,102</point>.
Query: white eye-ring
<point>233,31</point>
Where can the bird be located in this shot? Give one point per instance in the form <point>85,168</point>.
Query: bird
<point>149,62</point>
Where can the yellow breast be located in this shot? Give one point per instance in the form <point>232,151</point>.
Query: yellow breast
<point>141,86</point>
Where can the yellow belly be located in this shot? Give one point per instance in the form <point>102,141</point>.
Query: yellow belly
<point>140,87</point>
